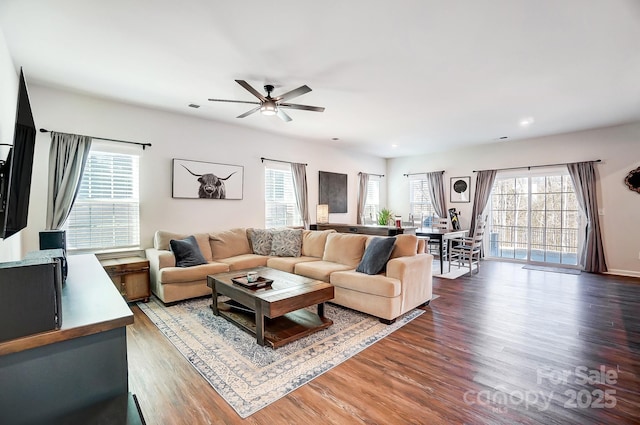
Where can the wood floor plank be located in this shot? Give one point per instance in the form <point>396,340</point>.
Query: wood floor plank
<point>501,347</point>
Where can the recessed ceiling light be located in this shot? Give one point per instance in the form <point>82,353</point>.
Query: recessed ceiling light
<point>193,105</point>
<point>335,138</point>
<point>526,122</point>
<point>394,145</point>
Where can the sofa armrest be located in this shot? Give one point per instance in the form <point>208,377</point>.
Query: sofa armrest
<point>414,273</point>
<point>160,258</point>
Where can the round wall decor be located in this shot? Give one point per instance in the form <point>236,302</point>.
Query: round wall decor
<point>633,180</point>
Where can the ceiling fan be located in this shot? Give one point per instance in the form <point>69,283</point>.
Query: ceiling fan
<point>273,105</point>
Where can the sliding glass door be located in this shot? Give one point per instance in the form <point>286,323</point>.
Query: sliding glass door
<point>535,218</point>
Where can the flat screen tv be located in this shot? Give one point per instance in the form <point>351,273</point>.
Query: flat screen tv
<point>15,171</point>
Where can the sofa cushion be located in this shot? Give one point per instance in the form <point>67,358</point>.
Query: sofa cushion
<point>187,252</point>
<point>229,243</point>
<point>286,242</point>
<point>406,246</point>
<point>260,240</point>
<point>161,241</point>
<point>376,255</point>
<point>319,270</point>
<point>313,242</point>
<point>190,274</point>
<point>344,248</point>
<point>379,284</point>
<point>288,264</point>
<point>245,261</point>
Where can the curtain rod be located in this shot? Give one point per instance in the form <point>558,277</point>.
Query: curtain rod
<point>263,159</point>
<point>144,145</point>
<point>539,166</point>
<point>424,172</point>
<point>371,174</point>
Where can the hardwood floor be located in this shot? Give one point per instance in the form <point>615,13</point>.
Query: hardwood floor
<point>502,347</point>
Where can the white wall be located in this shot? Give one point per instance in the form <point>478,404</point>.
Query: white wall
<point>184,137</point>
<point>618,147</point>
<point>9,248</point>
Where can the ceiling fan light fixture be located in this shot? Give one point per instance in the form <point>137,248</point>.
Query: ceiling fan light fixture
<point>269,108</point>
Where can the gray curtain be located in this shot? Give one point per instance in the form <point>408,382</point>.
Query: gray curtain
<point>299,172</point>
<point>583,176</point>
<point>67,156</point>
<point>484,184</point>
<point>363,182</point>
<point>436,189</point>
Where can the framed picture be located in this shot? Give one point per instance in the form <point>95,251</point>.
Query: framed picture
<point>333,191</point>
<point>460,189</point>
<point>206,180</point>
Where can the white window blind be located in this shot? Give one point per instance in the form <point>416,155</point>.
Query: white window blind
<point>420,205</point>
<point>372,202</point>
<point>106,213</point>
<point>280,201</point>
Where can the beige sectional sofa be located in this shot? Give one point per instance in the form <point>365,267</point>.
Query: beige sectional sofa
<point>324,255</point>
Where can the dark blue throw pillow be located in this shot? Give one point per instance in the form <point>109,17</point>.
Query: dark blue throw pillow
<point>376,255</point>
<point>187,252</point>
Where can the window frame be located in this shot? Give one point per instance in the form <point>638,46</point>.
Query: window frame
<point>292,215</point>
<point>76,226</point>
<point>371,208</point>
<point>425,208</point>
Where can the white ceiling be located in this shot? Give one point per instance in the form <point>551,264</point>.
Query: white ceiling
<point>425,75</point>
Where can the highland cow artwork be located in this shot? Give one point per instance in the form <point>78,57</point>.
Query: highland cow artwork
<point>206,180</point>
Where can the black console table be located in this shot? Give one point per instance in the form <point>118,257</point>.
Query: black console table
<point>79,370</point>
<point>364,229</point>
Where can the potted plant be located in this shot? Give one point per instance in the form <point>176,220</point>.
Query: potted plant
<point>385,216</point>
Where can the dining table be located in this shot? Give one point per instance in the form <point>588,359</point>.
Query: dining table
<point>441,235</point>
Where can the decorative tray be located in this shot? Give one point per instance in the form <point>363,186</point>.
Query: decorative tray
<point>261,282</point>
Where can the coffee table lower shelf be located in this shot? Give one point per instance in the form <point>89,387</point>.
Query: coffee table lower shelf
<point>278,331</point>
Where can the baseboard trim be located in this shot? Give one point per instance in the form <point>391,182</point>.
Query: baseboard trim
<point>628,273</point>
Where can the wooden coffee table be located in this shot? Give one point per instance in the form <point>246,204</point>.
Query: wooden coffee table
<point>276,315</point>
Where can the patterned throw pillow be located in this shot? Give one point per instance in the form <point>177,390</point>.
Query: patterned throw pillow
<point>286,242</point>
<point>261,241</point>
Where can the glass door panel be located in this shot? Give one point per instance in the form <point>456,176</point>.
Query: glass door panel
<point>535,219</point>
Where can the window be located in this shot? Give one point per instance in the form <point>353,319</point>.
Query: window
<point>280,200</point>
<point>420,206</point>
<point>535,218</point>
<point>106,213</point>
<point>372,202</point>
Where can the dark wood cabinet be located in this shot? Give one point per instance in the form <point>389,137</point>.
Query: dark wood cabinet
<point>130,275</point>
<point>77,374</point>
<point>363,229</point>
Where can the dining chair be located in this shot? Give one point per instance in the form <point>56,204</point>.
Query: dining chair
<point>434,244</point>
<point>468,250</point>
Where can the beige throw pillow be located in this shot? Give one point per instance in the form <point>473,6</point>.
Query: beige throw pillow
<point>229,243</point>
<point>343,248</point>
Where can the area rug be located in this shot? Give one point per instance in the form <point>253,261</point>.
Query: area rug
<point>455,271</point>
<point>248,376</point>
<point>551,269</point>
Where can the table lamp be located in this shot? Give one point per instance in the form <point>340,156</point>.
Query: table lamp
<point>322,214</point>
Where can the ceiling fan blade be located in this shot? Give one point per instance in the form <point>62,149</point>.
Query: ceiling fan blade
<point>256,109</point>
<point>302,107</point>
<point>251,90</point>
<point>234,101</point>
<point>283,116</point>
<point>293,93</point>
